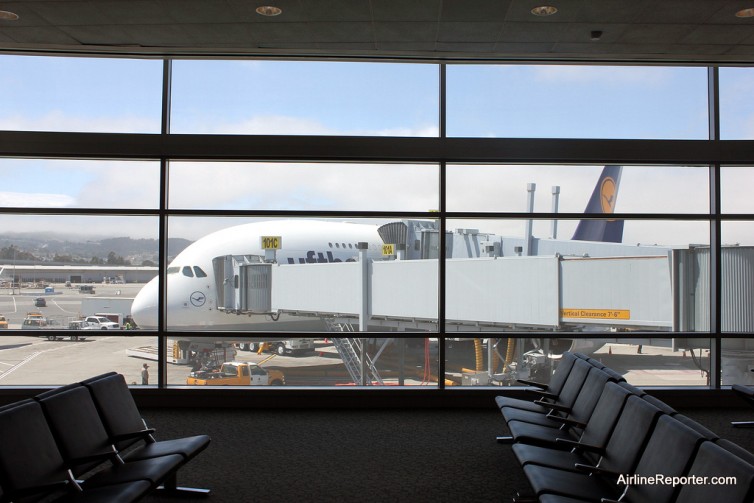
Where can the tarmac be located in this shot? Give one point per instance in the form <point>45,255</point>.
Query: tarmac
<point>32,360</point>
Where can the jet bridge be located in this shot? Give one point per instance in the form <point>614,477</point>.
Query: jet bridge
<point>662,292</point>
<point>499,293</point>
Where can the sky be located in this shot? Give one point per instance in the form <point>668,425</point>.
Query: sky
<point>376,99</point>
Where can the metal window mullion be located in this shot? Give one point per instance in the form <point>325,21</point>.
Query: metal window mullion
<point>167,70</point>
<point>715,306</point>
<point>443,224</point>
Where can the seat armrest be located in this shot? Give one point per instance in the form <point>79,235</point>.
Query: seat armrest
<point>554,406</point>
<point>111,455</point>
<point>542,394</point>
<point>539,385</point>
<point>134,434</point>
<point>580,446</point>
<point>566,420</point>
<point>596,470</point>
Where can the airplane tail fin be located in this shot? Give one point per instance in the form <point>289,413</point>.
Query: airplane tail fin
<point>602,201</point>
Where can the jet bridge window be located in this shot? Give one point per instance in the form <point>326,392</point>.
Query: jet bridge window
<point>199,272</point>
<point>187,271</point>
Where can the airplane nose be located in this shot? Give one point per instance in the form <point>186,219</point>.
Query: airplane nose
<point>144,307</point>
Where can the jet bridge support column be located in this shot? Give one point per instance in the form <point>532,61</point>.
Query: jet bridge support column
<point>364,310</point>
<point>555,200</point>
<point>530,188</point>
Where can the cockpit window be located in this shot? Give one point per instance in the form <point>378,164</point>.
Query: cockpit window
<point>199,272</point>
<point>187,271</point>
<point>173,270</point>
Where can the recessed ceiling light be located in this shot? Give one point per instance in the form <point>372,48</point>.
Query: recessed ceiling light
<point>8,16</point>
<point>745,13</point>
<point>544,10</point>
<point>269,10</point>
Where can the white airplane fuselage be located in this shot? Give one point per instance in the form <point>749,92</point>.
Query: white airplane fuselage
<point>191,285</point>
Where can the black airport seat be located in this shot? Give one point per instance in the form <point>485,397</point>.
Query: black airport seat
<point>32,466</point>
<point>669,452</point>
<point>575,416</point>
<point>633,389</point>
<point>698,427</point>
<point>620,456</point>
<point>127,430</point>
<point>538,445</point>
<point>736,449</point>
<point>546,392</point>
<point>710,461</point>
<point>562,401</point>
<point>747,394</point>
<point>667,409</point>
<point>84,443</point>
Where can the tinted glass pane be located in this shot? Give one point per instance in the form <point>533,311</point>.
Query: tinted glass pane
<point>551,101</point>
<point>493,361</point>
<point>735,189</point>
<point>737,360</point>
<point>303,186</point>
<point>46,183</point>
<point>34,359</point>
<point>737,263</point>
<point>503,281</point>
<point>246,361</point>
<point>80,258</point>
<point>68,284</point>
<point>625,189</point>
<point>311,98</point>
<point>81,94</point>
<point>736,110</point>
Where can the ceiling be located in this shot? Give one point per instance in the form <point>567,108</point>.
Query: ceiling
<point>697,31</point>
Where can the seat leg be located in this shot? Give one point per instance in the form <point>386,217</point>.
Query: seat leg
<point>524,497</point>
<point>171,487</point>
<point>504,440</point>
<point>742,424</point>
<point>183,491</point>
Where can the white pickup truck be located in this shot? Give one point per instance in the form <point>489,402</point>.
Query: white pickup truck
<point>101,322</point>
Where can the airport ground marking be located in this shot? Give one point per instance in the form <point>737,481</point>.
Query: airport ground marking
<point>20,364</point>
<point>58,306</point>
<point>30,358</point>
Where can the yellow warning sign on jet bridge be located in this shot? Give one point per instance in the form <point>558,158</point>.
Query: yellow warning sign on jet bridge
<point>597,314</point>
<point>388,249</point>
<point>271,242</point>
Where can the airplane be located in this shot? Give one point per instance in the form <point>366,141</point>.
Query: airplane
<point>192,287</point>
<point>191,284</point>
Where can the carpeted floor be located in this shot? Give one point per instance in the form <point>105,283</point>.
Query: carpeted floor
<point>397,455</point>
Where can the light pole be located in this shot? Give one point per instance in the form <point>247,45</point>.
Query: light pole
<point>13,279</point>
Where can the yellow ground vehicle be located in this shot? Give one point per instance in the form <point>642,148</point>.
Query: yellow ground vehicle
<point>3,322</point>
<point>237,374</point>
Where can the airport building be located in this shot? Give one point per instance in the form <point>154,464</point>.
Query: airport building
<point>376,204</point>
<point>79,274</point>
